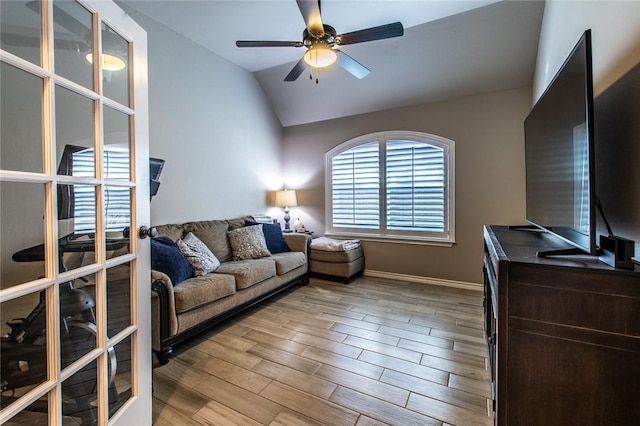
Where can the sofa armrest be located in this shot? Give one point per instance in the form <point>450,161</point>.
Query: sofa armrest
<point>157,275</point>
<point>298,242</point>
<point>164,322</point>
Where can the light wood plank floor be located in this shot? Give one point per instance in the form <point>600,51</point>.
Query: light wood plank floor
<point>372,352</point>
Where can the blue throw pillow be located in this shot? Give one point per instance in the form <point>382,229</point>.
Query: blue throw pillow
<point>273,236</point>
<point>167,258</point>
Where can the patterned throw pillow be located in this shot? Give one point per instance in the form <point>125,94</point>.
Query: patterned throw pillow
<point>198,255</point>
<point>248,243</point>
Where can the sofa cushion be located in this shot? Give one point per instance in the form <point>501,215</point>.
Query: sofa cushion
<point>248,243</point>
<point>272,235</point>
<point>289,261</point>
<point>167,258</point>
<point>238,223</point>
<point>198,291</point>
<point>213,233</point>
<point>198,255</point>
<point>173,231</point>
<point>248,272</point>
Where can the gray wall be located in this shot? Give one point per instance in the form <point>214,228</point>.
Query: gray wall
<point>212,124</point>
<point>615,35</point>
<point>489,143</point>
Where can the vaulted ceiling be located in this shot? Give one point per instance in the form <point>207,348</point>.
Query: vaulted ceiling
<point>449,49</point>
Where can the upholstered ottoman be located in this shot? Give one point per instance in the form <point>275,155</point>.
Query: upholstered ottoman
<point>334,262</point>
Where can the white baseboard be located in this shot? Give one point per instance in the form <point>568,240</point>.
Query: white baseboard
<point>423,280</point>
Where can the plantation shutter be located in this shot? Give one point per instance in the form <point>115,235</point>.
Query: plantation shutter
<point>116,199</point>
<point>395,185</point>
<point>415,186</point>
<point>355,183</point>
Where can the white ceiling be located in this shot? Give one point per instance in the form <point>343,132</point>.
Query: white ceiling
<point>450,49</point>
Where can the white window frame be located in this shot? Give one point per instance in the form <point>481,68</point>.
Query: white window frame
<point>445,238</point>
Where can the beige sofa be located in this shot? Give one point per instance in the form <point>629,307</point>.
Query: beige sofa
<point>195,304</point>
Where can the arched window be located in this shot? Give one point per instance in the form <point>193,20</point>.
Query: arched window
<point>394,184</point>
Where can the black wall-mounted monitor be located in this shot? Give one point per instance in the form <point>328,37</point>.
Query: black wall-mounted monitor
<point>155,169</point>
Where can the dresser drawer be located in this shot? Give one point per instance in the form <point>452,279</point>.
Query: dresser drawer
<point>610,313</point>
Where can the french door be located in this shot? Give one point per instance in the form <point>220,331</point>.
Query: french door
<point>74,190</point>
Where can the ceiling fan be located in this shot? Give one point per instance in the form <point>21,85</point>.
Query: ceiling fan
<point>320,39</point>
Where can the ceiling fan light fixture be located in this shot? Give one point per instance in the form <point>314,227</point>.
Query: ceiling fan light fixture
<point>109,62</point>
<point>320,55</point>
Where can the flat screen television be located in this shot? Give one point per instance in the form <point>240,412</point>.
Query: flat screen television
<point>559,147</point>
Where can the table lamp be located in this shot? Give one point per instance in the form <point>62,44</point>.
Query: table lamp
<point>286,199</point>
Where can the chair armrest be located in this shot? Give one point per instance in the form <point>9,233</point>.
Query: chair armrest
<point>298,242</point>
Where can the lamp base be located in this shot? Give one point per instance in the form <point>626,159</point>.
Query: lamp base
<point>287,218</point>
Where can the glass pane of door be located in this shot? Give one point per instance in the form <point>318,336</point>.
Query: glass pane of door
<point>21,233</point>
<point>23,319</point>
<point>36,414</point>
<point>81,390</point>
<point>76,225</point>
<point>115,59</point>
<point>121,383</point>
<point>117,207</point>
<point>74,134</point>
<point>20,29</point>
<point>24,350</point>
<point>118,298</point>
<point>116,166</point>
<point>73,42</point>
<point>116,161</point>
<point>21,102</point>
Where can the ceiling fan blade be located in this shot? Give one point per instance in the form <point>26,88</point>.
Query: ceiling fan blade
<point>64,19</point>
<point>374,33</point>
<point>351,65</point>
<point>20,40</point>
<point>251,43</point>
<point>296,71</point>
<point>27,41</point>
<point>310,10</point>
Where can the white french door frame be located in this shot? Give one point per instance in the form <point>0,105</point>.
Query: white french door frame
<point>137,409</point>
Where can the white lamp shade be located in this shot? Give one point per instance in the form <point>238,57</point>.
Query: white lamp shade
<point>286,198</point>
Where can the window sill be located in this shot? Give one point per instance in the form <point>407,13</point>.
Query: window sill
<point>392,239</point>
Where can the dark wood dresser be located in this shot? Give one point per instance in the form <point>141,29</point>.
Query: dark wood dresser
<point>563,334</point>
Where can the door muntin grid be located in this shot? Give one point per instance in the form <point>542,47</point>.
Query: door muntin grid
<point>63,270</point>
